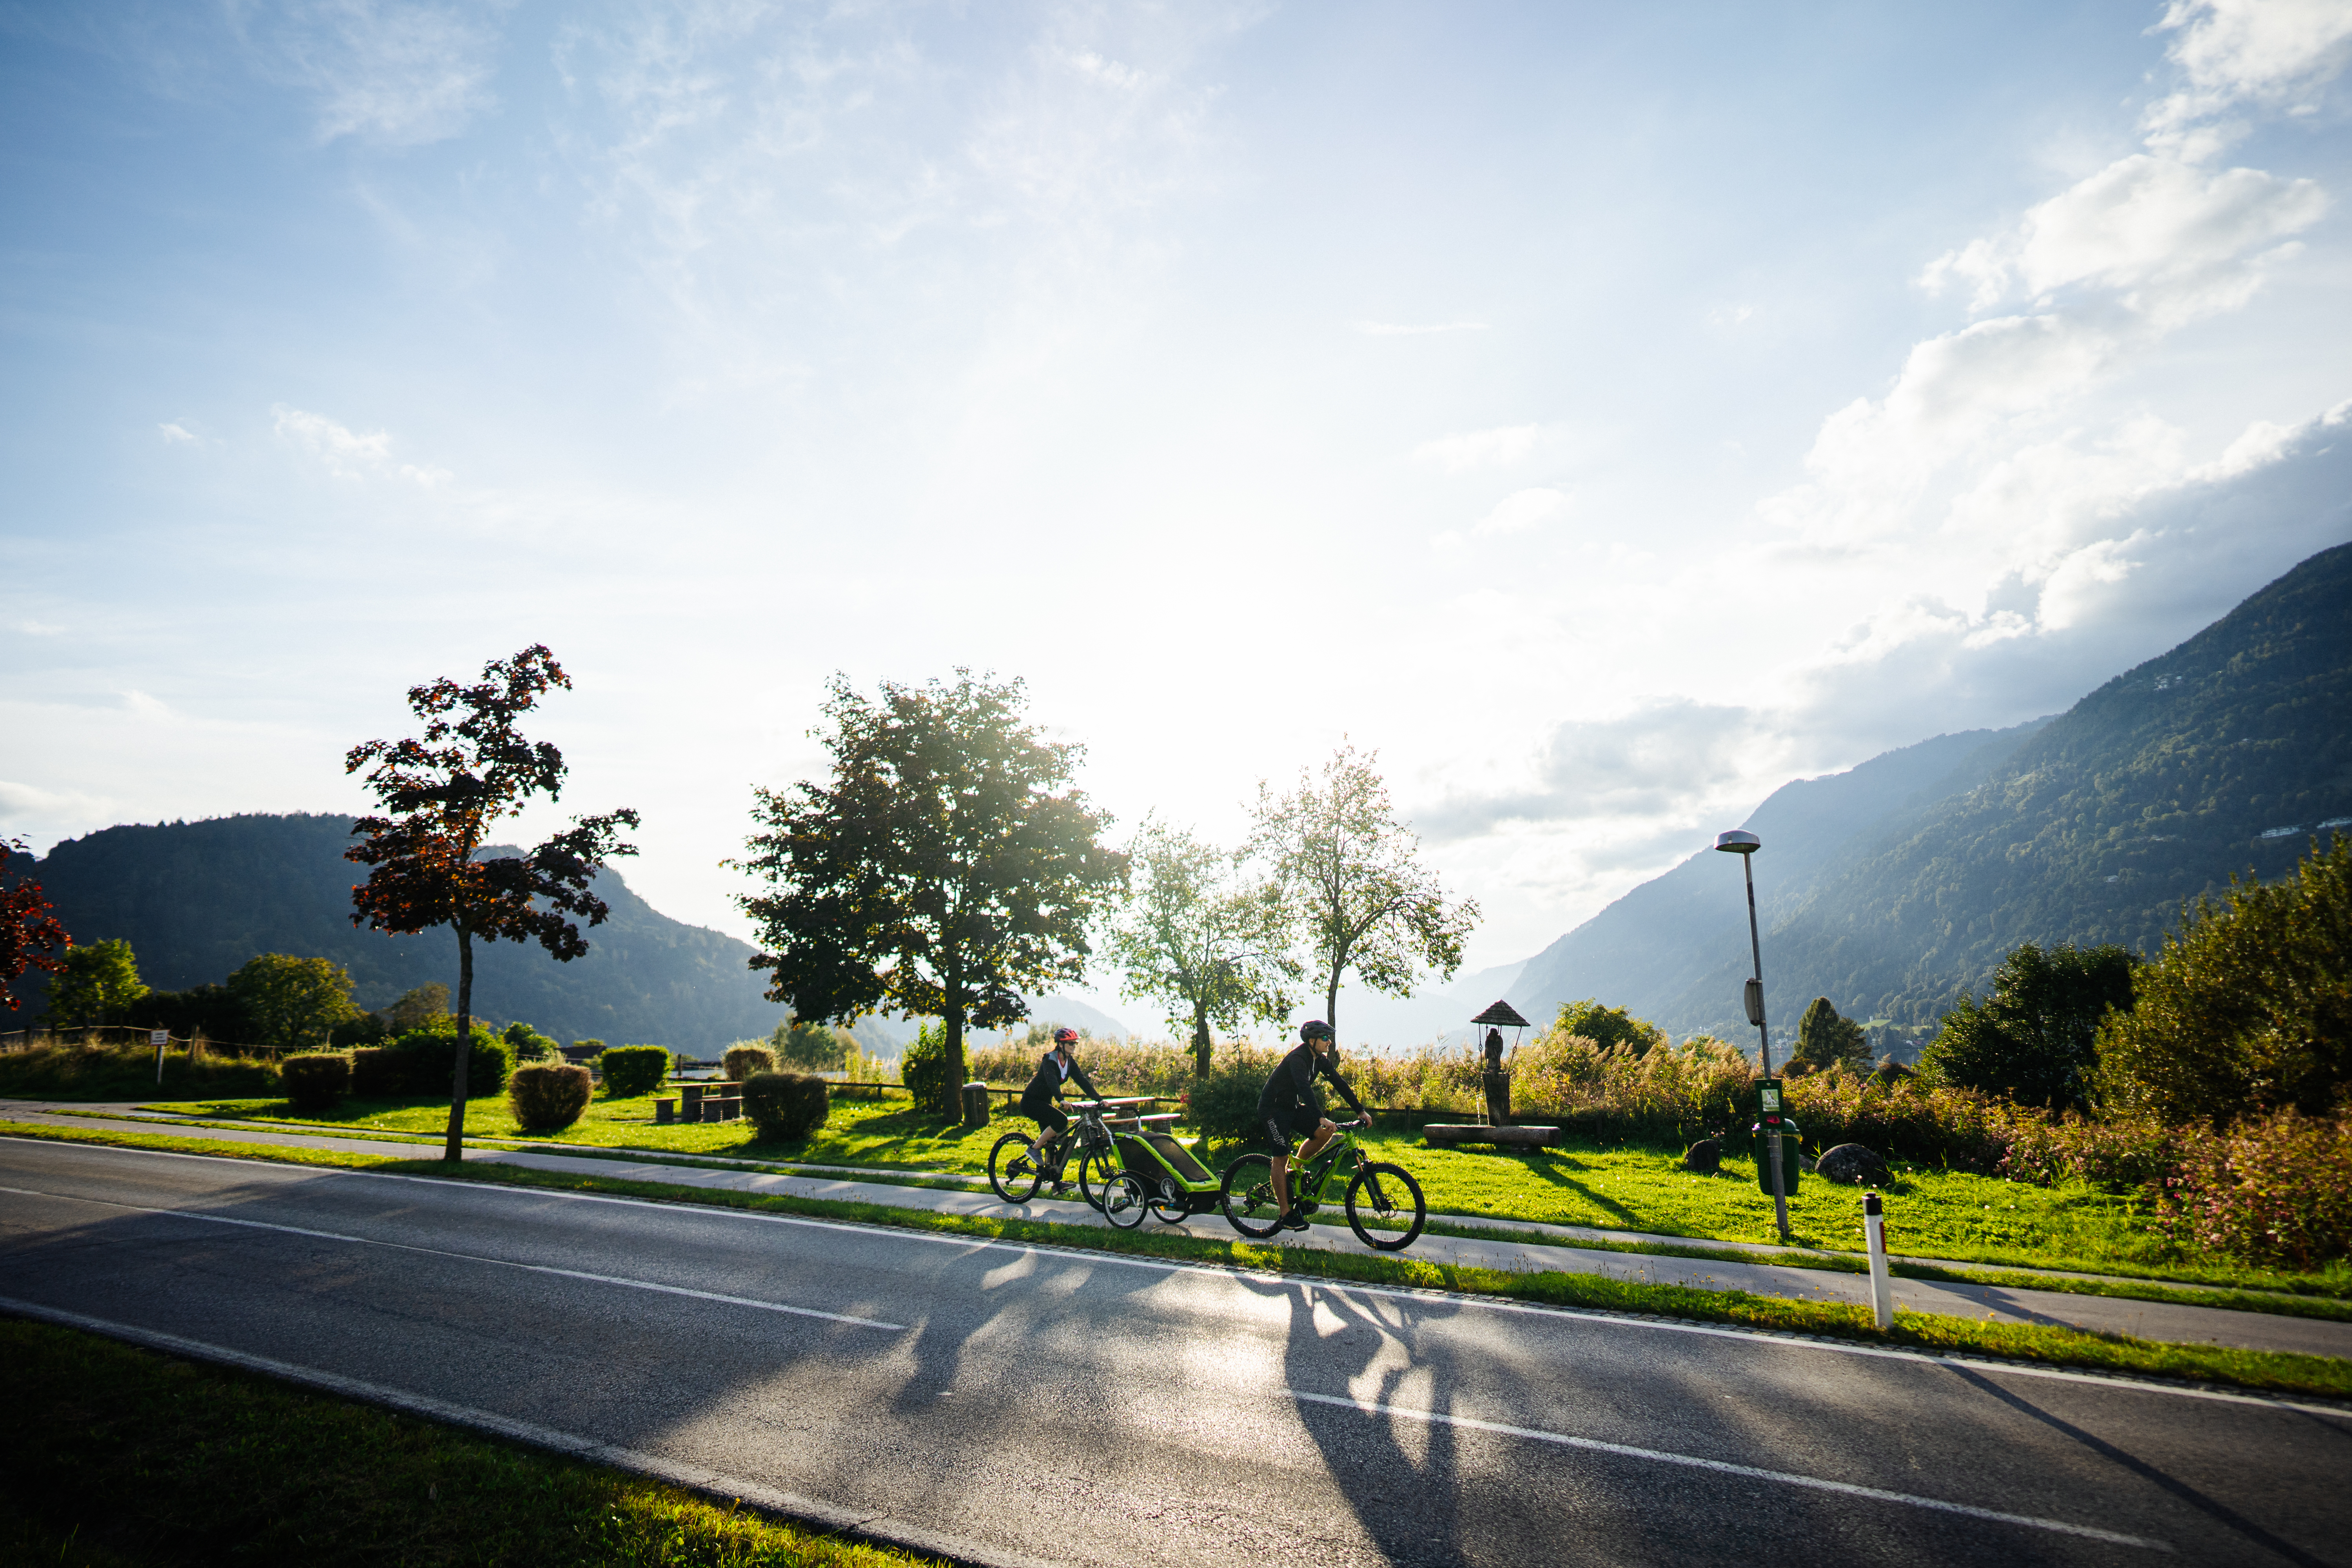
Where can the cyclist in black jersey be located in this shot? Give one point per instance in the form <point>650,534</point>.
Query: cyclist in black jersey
<point>1055,1067</point>
<point>1289,1106</point>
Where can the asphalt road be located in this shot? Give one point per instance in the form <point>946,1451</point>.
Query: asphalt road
<point>1018,1404</point>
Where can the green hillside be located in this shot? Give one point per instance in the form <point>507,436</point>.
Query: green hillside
<point>195,899</point>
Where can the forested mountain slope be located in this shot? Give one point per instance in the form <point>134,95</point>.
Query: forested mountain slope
<point>195,899</point>
<point>2227,754</point>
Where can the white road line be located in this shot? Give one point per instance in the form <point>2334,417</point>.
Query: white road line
<point>710,1483</point>
<point>1986,1365</point>
<point>1749,1472</point>
<point>471,1257</point>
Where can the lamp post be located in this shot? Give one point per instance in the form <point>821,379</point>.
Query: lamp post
<point>1744,843</point>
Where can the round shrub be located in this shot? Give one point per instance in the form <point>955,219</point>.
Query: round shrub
<point>315,1080</point>
<point>1225,1104</point>
<point>741,1061</point>
<point>786,1105</point>
<point>923,1068</point>
<point>547,1097</point>
<point>633,1070</point>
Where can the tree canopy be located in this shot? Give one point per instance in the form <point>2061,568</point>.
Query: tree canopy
<point>2034,1037</point>
<point>442,793</point>
<point>2249,1009</point>
<point>1826,1039</point>
<point>29,929</point>
<point>1605,1026</point>
<point>946,866</point>
<point>293,1003</point>
<point>1199,937</point>
<point>1353,873</point>
<point>98,984</point>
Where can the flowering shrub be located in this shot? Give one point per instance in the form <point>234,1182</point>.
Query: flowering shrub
<point>1116,1066</point>
<point>2120,1154</point>
<point>2275,1189</point>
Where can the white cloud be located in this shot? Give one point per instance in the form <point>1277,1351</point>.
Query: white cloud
<point>1665,759</point>
<point>380,70</point>
<point>174,434</point>
<point>347,453</point>
<point>2270,52</point>
<point>1522,509</point>
<point>1486,449</point>
<point>1398,329</point>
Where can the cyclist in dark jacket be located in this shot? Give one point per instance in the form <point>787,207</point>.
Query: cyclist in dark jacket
<point>1289,1106</point>
<point>1055,1067</point>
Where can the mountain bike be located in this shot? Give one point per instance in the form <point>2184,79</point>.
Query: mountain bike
<point>1016,1170</point>
<point>1381,1192</point>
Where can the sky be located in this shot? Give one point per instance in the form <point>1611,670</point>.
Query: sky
<point>1604,413</point>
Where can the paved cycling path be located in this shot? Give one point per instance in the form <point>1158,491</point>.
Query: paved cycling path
<point>2145,1320</point>
<point>1006,1404</point>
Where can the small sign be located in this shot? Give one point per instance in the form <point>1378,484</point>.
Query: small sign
<point>158,1039</point>
<point>1769,1091</point>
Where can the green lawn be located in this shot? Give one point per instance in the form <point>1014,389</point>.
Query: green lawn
<point>1930,1213</point>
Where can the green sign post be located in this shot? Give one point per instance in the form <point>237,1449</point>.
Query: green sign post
<point>1744,843</point>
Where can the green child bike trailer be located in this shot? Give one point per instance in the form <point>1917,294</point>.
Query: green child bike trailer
<point>1159,1175</point>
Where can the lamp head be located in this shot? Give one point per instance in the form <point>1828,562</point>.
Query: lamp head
<point>1739,841</point>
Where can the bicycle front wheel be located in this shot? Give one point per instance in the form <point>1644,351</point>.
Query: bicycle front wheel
<point>1013,1168</point>
<point>1248,1197</point>
<point>1388,1194</point>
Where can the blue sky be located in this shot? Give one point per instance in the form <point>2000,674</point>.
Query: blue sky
<point>1606,413</point>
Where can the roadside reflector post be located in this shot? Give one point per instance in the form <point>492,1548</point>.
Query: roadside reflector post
<point>1882,1287</point>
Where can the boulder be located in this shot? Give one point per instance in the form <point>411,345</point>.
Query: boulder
<point>1705,1157</point>
<point>1852,1164</point>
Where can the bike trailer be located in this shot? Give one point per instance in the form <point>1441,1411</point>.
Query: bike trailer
<point>1169,1173</point>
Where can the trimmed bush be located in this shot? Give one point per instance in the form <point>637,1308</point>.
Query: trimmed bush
<point>633,1070</point>
<point>547,1097</point>
<point>367,1030</point>
<point>315,1080</point>
<point>429,1065</point>
<point>379,1072</point>
<point>741,1061</point>
<point>785,1105</point>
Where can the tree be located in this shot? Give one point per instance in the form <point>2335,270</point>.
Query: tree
<point>948,866</point>
<point>292,1001</point>
<point>99,981</point>
<point>443,793</point>
<point>810,1048</point>
<point>1824,1039</point>
<point>2249,1009</point>
<point>1602,1025</point>
<point>1197,938</point>
<point>2034,1038</point>
<point>416,1007</point>
<point>27,928</point>
<point>1349,867</point>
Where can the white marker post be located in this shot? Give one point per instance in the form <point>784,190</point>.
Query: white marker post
<point>1882,1288</point>
<point>158,1039</point>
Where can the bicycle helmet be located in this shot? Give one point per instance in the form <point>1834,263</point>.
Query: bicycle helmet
<point>1066,1036</point>
<point>1314,1029</point>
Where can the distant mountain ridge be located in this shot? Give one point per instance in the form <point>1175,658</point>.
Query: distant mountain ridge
<point>2225,754</point>
<point>197,900</point>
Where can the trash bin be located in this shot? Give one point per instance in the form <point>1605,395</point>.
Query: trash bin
<point>1789,1138</point>
<point>975,1104</point>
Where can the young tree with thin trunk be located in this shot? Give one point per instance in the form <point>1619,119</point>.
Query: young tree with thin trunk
<point>28,931</point>
<point>443,792</point>
<point>1199,938</point>
<point>948,866</point>
<point>1352,869</point>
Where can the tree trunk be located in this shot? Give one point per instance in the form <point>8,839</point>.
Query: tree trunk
<point>455,1148</point>
<point>1331,1005</point>
<point>957,1075</point>
<point>1200,1042</point>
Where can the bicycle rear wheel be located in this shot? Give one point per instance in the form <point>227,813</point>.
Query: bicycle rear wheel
<point>1390,1194</point>
<point>1013,1168</point>
<point>1248,1197</point>
<point>1097,1169</point>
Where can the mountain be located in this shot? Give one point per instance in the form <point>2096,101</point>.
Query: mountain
<point>2226,755</point>
<point>195,899</point>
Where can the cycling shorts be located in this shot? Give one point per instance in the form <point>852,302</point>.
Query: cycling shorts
<point>1302,1123</point>
<point>1048,1116</point>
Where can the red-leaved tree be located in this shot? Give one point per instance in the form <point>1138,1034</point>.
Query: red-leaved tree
<point>442,792</point>
<point>27,928</point>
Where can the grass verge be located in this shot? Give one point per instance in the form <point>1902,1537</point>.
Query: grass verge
<point>2272,1371</point>
<point>116,1455</point>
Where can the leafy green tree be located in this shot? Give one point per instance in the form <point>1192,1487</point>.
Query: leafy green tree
<point>1352,872</point>
<point>811,1046</point>
<point>444,792</point>
<point>293,1003</point>
<point>1197,937</point>
<point>1607,1027</point>
<point>948,866</point>
<point>1824,1039</point>
<point>2249,1009</point>
<point>27,928</point>
<point>97,984</point>
<point>528,1044</point>
<point>2034,1037</point>
<point>417,1008</point>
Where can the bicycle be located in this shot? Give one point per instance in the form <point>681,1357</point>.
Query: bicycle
<point>1383,1192</point>
<point>1016,1171</point>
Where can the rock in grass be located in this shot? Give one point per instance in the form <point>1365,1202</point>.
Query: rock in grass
<point>1705,1157</point>
<point>1852,1164</point>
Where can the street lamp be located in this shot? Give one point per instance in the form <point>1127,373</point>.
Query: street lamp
<point>1744,843</point>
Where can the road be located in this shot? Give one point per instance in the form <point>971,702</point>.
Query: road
<point>1011,1403</point>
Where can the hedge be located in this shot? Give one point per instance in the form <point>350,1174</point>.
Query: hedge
<point>547,1097</point>
<point>788,1106</point>
<point>633,1070</point>
<point>315,1082</point>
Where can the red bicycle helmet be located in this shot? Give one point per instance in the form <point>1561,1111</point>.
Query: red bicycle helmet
<point>1066,1036</point>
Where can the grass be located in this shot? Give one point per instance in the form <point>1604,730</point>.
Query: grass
<point>1945,1214</point>
<point>115,1454</point>
<point>2272,1371</point>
